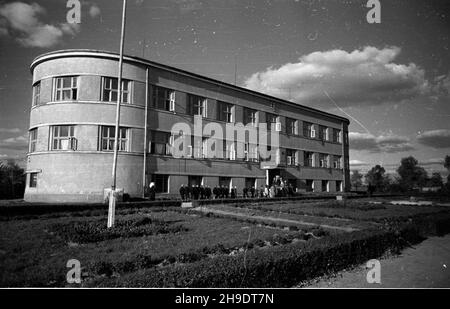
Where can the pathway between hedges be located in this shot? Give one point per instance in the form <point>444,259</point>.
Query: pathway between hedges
<point>426,265</point>
<point>272,219</point>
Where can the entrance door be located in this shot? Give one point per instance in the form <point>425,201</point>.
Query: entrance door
<point>273,174</point>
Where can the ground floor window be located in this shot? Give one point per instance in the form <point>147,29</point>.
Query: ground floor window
<point>33,180</point>
<point>161,183</point>
<point>225,181</point>
<point>309,185</point>
<point>339,186</point>
<point>195,181</point>
<point>325,187</point>
<point>250,182</point>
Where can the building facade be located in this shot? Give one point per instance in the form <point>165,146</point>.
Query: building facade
<point>72,132</point>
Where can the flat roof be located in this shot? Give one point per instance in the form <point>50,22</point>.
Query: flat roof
<point>127,58</point>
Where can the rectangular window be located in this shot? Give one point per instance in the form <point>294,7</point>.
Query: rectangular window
<point>33,139</point>
<point>271,121</point>
<point>308,130</point>
<point>309,185</point>
<point>63,138</point>
<point>290,157</point>
<point>225,112</point>
<point>325,187</point>
<point>197,106</point>
<point>336,135</point>
<point>33,180</point>
<point>229,148</point>
<point>110,90</point>
<point>66,88</point>
<point>337,162</point>
<point>163,98</point>
<point>195,181</point>
<point>225,182</point>
<point>161,143</point>
<point>309,159</point>
<point>108,134</point>
<point>323,133</point>
<point>36,93</point>
<point>250,116</point>
<point>161,183</point>
<point>291,126</point>
<point>338,186</point>
<point>323,160</point>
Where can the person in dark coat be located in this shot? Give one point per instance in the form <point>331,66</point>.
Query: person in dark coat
<point>245,192</point>
<point>152,191</point>
<point>195,192</point>
<point>233,192</point>
<point>207,192</point>
<point>226,191</point>
<point>188,192</point>
<point>182,193</point>
<point>252,191</point>
<point>202,192</point>
<point>216,192</point>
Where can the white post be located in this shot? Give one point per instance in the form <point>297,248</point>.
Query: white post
<point>113,195</point>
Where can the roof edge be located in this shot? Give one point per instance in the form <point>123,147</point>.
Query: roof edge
<point>113,55</point>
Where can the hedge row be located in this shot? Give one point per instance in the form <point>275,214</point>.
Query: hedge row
<point>140,261</point>
<point>96,230</point>
<point>284,266</point>
<point>40,209</point>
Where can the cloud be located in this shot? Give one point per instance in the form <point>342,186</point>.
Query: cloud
<point>435,138</point>
<point>383,143</point>
<point>357,163</point>
<point>22,22</point>
<point>8,130</point>
<point>94,11</point>
<point>365,76</point>
<point>18,143</point>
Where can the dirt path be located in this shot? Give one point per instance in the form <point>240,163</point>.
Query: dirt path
<point>425,266</point>
<point>268,218</point>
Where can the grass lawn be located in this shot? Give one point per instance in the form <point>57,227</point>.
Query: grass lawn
<point>169,246</point>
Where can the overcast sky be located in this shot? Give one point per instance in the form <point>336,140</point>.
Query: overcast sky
<point>392,80</point>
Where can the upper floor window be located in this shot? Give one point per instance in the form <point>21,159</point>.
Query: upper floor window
<point>323,160</point>
<point>250,116</point>
<point>66,88</point>
<point>309,159</point>
<point>110,90</point>
<point>36,93</point>
<point>308,130</point>
<point>63,138</point>
<point>337,162</point>
<point>163,98</point>
<point>291,126</point>
<point>225,112</point>
<point>336,135</point>
<point>323,133</point>
<point>108,135</point>
<point>160,143</point>
<point>197,106</point>
<point>271,120</point>
<point>290,157</point>
<point>33,139</point>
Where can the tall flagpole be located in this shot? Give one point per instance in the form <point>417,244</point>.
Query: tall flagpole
<point>113,196</point>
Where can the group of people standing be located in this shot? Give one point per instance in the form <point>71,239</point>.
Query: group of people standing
<point>200,192</point>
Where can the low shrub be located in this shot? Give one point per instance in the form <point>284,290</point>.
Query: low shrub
<point>282,266</point>
<point>96,230</point>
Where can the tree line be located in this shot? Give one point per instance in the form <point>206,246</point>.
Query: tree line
<point>12,180</point>
<point>410,176</point>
